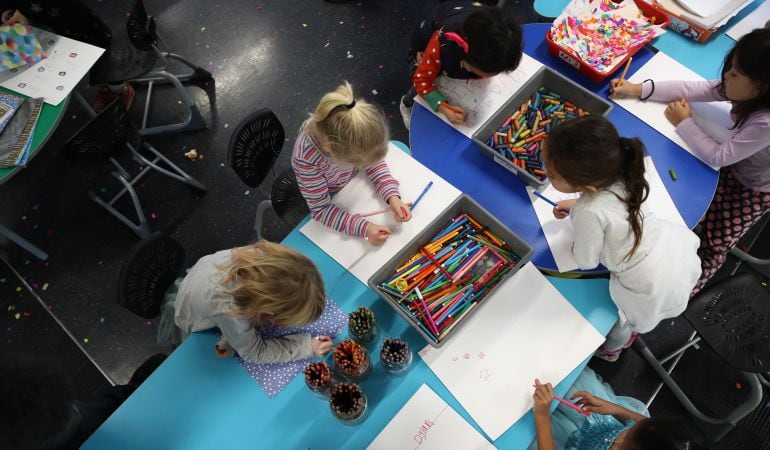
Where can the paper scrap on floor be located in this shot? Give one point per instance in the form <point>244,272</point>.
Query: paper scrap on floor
<point>359,196</point>
<point>53,78</point>
<point>482,98</point>
<point>713,117</point>
<point>491,364</point>
<point>560,234</point>
<point>426,422</point>
<point>755,19</point>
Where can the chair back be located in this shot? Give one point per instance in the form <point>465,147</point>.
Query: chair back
<point>287,201</point>
<point>733,317</point>
<point>141,28</point>
<point>255,145</point>
<point>105,134</point>
<point>150,269</point>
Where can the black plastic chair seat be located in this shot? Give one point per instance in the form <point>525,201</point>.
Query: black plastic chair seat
<point>287,201</point>
<point>151,268</point>
<point>255,145</point>
<point>121,62</point>
<point>103,136</point>
<point>733,317</point>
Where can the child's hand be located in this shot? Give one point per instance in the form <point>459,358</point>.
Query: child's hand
<point>455,114</point>
<point>594,404</point>
<point>322,345</point>
<point>400,209</point>
<point>377,234</point>
<point>224,350</point>
<point>543,398</point>
<point>625,88</point>
<point>561,210</point>
<point>677,111</point>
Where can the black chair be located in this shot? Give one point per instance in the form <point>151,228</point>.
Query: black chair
<point>102,139</point>
<point>287,200</point>
<point>150,269</point>
<point>139,60</point>
<point>254,148</point>
<point>733,318</point>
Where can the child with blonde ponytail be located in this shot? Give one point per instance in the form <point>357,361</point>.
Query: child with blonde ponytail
<point>242,289</point>
<point>342,136</point>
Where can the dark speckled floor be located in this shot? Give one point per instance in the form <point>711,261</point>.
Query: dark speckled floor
<point>278,54</point>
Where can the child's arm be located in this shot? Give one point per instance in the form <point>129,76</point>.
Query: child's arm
<point>250,345</point>
<point>387,189</point>
<point>597,405</point>
<point>753,136</point>
<point>543,397</point>
<point>314,189</point>
<point>692,91</point>
<point>589,238</point>
<point>424,81</point>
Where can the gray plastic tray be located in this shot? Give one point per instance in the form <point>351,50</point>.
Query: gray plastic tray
<point>553,81</point>
<point>463,204</point>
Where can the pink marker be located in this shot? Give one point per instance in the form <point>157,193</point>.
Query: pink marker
<point>376,235</point>
<point>570,404</point>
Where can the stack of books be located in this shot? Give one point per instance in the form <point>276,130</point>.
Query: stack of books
<point>18,118</point>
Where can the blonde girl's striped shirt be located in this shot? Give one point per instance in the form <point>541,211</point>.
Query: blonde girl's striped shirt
<point>319,176</point>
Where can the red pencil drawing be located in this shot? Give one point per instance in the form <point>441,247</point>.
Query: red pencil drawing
<point>454,358</point>
<point>484,374</point>
<point>481,355</point>
<point>422,432</point>
<point>467,355</point>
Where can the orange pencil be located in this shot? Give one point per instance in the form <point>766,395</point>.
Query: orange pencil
<point>622,76</point>
<point>452,108</point>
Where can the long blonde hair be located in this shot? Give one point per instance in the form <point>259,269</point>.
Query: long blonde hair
<point>273,282</point>
<point>354,130</point>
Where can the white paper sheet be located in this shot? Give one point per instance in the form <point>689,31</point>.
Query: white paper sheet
<point>482,98</point>
<point>525,330</point>
<point>426,422</point>
<point>728,8</point>
<point>57,75</point>
<point>703,8</point>
<point>711,116</point>
<point>756,19</point>
<point>359,197</point>
<point>560,234</point>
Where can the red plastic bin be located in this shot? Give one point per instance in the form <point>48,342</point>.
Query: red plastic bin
<point>568,56</point>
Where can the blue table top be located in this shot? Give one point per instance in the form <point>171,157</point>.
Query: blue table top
<point>454,157</point>
<point>195,400</point>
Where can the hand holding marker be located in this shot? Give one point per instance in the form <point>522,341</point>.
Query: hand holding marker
<point>411,208</point>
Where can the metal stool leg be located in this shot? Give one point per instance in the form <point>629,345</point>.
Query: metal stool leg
<point>193,119</point>
<point>23,243</point>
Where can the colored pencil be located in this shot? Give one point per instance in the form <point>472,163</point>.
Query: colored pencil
<point>419,197</point>
<point>543,197</point>
<point>622,76</point>
<point>380,211</point>
<point>376,235</point>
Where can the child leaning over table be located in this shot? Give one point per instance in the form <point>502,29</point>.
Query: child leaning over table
<point>653,263</point>
<point>342,136</point>
<point>615,422</point>
<point>240,290</point>
<point>743,193</point>
<point>464,40</point>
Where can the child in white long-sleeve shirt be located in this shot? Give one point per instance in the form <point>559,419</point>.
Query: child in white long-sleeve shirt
<point>653,264</point>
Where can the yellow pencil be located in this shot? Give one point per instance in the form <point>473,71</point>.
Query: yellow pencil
<point>622,76</point>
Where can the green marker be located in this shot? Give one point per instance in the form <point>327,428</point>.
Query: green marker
<point>672,172</point>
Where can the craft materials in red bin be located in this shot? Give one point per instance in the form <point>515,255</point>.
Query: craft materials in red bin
<point>450,275</point>
<point>599,37</point>
<point>520,138</point>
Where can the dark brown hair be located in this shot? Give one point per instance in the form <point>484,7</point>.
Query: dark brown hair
<point>665,433</point>
<point>752,53</point>
<point>588,151</point>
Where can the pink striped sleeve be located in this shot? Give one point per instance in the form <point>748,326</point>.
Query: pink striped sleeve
<point>383,181</point>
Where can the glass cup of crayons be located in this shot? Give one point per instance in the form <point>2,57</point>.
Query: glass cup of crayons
<point>352,360</point>
<point>348,403</point>
<point>318,378</point>
<point>395,355</point>
<point>362,327</point>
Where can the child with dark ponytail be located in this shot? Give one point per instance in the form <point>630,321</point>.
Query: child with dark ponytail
<point>653,264</point>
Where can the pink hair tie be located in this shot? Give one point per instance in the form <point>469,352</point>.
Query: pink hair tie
<point>456,38</point>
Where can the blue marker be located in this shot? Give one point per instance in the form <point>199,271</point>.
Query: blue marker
<point>548,200</point>
<point>419,197</point>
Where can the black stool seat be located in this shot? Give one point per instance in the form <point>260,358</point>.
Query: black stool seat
<point>151,268</point>
<point>733,318</point>
<point>287,201</point>
<point>122,62</point>
<point>255,146</point>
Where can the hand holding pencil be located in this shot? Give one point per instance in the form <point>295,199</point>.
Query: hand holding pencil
<point>455,114</point>
<point>619,86</point>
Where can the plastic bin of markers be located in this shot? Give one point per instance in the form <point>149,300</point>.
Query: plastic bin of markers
<point>653,14</point>
<point>464,204</point>
<point>552,81</point>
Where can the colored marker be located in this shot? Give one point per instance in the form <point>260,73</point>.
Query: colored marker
<point>429,319</point>
<point>622,77</point>
<point>419,197</point>
<point>569,404</point>
<point>672,173</point>
<point>543,197</point>
<point>452,108</point>
<point>376,235</point>
<point>379,211</point>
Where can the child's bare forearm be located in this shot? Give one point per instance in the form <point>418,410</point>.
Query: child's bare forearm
<point>544,435</point>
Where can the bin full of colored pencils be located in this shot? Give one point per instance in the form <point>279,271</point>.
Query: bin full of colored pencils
<point>449,270</point>
<point>514,136</point>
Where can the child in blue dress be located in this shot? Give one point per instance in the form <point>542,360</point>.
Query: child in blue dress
<point>615,423</point>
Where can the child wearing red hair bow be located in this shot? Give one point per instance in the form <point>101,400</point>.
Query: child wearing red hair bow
<point>464,40</point>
